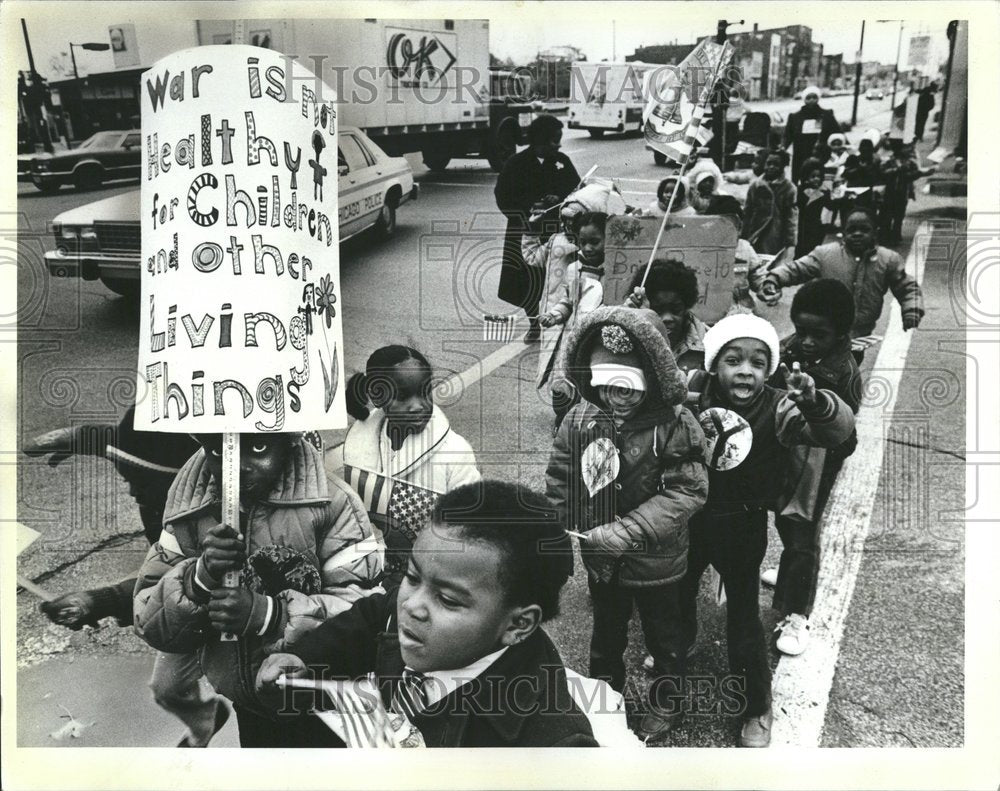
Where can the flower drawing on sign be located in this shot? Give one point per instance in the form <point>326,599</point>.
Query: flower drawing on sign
<point>325,299</point>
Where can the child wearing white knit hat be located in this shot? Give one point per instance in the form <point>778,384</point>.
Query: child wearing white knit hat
<point>749,427</point>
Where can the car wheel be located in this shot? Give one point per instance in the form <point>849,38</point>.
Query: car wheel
<point>88,179</point>
<point>48,188</point>
<point>596,133</point>
<point>436,160</point>
<point>659,158</point>
<point>130,289</point>
<point>385,225</point>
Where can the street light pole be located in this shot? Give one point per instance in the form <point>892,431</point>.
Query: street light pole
<point>857,76</point>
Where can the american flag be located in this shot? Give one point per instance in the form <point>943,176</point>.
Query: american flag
<point>403,506</point>
<point>499,328</point>
<point>675,107</point>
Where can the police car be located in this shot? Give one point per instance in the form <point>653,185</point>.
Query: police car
<point>101,240</point>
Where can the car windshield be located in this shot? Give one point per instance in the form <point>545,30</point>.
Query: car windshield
<point>102,140</point>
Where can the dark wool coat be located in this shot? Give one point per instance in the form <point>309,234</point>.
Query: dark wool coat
<point>637,520</point>
<point>802,143</point>
<point>522,183</point>
<point>521,700</point>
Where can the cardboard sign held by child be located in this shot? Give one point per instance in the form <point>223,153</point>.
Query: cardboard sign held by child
<point>705,244</point>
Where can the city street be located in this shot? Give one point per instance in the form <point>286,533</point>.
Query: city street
<point>897,648</point>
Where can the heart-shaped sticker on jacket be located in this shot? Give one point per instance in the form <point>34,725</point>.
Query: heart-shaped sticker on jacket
<point>600,464</point>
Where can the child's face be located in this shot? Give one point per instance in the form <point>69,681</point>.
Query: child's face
<point>262,459</point>
<point>666,190</point>
<point>816,334</point>
<point>671,310</point>
<point>741,368</point>
<point>404,394</point>
<point>621,402</point>
<point>590,240</point>
<point>815,180</point>
<point>706,187</point>
<point>859,234</point>
<point>452,607</point>
<point>773,168</point>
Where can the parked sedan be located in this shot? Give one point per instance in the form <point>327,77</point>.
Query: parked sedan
<point>101,240</point>
<point>875,93</point>
<point>102,157</point>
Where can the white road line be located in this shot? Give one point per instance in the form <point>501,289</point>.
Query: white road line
<point>573,151</point>
<point>462,381</point>
<point>641,181</point>
<point>802,684</point>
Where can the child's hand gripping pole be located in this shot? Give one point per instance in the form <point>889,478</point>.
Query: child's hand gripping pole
<point>231,501</point>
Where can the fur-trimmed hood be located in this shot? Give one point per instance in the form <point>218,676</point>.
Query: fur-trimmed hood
<point>653,345</point>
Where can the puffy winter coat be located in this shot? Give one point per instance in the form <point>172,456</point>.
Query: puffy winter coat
<point>327,526</point>
<point>636,513</point>
<point>868,277</point>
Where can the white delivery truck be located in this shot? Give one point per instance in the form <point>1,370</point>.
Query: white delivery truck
<point>606,97</point>
<point>409,84</point>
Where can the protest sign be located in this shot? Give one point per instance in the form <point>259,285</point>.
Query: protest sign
<point>240,326</point>
<point>705,244</point>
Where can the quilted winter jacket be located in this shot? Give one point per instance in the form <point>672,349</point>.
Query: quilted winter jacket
<point>636,520</point>
<point>325,522</point>
<point>868,278</point>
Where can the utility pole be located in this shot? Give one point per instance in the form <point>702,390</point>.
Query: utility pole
<point>614,43</point>
<point>857,76</point>
<point>38,121</point>
<point>895,75</point>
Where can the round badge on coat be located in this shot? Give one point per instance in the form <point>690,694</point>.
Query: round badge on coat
<point>600,464</point>
<point>729,437</point>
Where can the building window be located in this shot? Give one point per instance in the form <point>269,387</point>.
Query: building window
<point>261,38</point>
<point>449,24</point>
<point>222,38</point>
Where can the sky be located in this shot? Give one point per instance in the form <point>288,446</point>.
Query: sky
<point>518,37</point>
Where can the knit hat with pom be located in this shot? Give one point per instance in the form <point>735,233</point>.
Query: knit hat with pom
<point>741,325</point>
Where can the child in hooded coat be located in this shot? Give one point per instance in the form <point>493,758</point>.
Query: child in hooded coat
<point>628,469</point>
<point>558,256</point>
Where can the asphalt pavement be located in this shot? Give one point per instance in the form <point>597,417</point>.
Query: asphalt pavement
<point>899,677</point>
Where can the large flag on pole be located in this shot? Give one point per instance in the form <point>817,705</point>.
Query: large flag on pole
<point>676,99</point>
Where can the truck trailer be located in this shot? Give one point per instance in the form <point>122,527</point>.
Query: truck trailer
<point>409,84</point>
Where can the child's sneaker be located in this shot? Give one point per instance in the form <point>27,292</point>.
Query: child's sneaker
<point>769,577</point>
<point>794,635</point>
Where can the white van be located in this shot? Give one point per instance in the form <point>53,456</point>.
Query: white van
<point>606,97</point>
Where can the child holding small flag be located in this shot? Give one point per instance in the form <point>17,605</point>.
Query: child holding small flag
<point>401,453</point>
<point>628,469</point>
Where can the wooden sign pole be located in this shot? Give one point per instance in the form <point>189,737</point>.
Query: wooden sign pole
<point>231,500</point>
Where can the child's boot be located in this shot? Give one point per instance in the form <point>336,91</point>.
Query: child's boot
<point>756,731</point>
<point>82,608</point>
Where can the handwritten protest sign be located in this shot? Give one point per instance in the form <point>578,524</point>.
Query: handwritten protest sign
<point>240,327</point>
<point>705,244</point>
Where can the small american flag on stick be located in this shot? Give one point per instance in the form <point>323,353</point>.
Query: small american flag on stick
<point>404,506</point>
<point>499,328</point>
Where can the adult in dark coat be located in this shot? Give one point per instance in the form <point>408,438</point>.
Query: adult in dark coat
<point>925,103</point>
<point>806,127</point>
<point>528,177</point>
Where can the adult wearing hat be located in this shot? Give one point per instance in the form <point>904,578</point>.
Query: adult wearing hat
<point>805,127</point>
<point>539,173</point>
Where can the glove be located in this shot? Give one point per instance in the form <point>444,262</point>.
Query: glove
<point>80,608</point>
<point>911,320</point>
